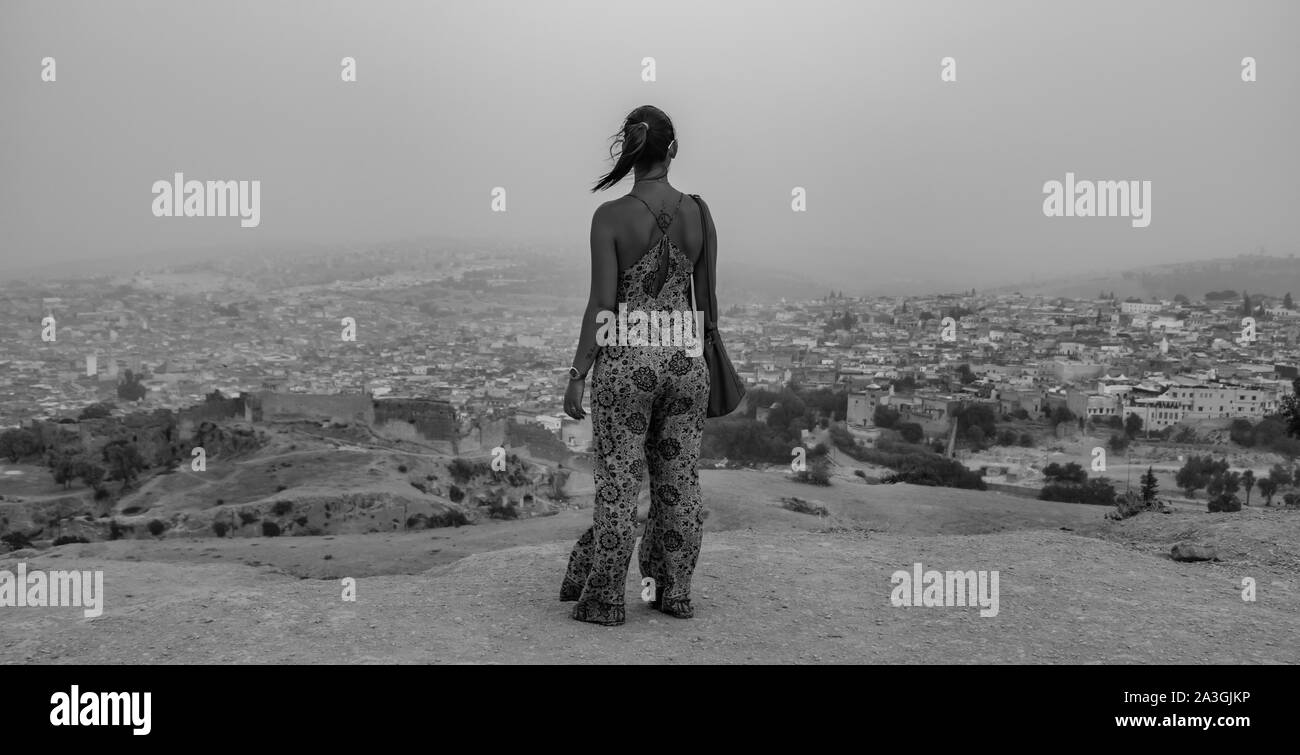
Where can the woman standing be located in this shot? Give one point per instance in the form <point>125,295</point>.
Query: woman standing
<point>648,402</point>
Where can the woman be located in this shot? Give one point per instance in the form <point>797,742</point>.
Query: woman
<point>648,402</point>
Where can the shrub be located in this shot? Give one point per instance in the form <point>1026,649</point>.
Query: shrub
<point>1097,492</point>
<point>156,527</point>
<point>1224,502</point>
<point>116,531</point>
<point>456,494</point>
<point>270,529</point>
<point>1131,504</point>
<point>1070,473</point>
<point>815,476</point>
<point>247,517</point>
<point>1026,440</point>
<point>497,510</point>
<point>401,468</point>
<point>282,507</point>
<point>884,417</point>
<point>911,432</point>
<point>461,470</point>
<point>936,471</point>
<point>69,539</point>
<point>1199,472</point>
<point>803,507</point>
<point>1006,437</point>
<point>16,540</point>
<point>220,528</point>
<point>452,518</point>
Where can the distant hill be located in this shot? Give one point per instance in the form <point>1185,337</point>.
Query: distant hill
<point>1257,274</point>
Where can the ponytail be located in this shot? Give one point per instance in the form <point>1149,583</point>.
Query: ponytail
<point>644,140</point>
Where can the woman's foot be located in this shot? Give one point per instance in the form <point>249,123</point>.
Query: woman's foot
<point>597,613</point>
<point>676,607</point>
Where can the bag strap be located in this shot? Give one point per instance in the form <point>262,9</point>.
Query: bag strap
<point>708,255</point>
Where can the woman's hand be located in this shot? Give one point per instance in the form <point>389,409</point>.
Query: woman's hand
<point>573,398</point>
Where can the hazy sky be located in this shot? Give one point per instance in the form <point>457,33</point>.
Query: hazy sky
<point>905,175</point>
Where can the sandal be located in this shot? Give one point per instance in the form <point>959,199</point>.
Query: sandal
<point>605,615</point>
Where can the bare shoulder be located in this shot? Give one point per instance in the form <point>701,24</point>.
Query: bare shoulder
<point>608,213</point>
<point>704,209</point>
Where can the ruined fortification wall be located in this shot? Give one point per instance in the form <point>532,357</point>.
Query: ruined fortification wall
<point>347,407</point>
<point>433,419</point>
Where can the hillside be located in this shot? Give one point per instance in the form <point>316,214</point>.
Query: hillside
<point>771,586</point>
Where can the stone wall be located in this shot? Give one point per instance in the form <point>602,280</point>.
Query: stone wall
<point>344,407</point>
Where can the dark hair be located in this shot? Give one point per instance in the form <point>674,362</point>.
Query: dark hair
<point>647,131</point>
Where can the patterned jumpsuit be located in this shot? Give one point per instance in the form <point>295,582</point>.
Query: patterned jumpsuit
<point>648,407</point>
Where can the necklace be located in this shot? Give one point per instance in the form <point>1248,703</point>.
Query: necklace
<point>661,179</point>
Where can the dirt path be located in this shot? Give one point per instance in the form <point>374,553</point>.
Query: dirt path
<point>771,586</point>
<point>762,596</point>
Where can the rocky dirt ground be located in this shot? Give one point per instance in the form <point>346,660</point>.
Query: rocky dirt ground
<point>772,586</point>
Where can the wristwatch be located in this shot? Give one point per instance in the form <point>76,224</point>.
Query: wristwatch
<point>574,375</point>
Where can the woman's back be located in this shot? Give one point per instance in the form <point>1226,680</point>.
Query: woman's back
<point>637,230</point>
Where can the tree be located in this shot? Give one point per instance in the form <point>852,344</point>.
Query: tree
<point>1248,482</point>
<point>1132,425</point>
<point>911,432</point>
<point>1268,489</point>
<point>1241,432</point>
<point>17,443</point>
<point>884,416</point>
<point>96,411</point>
<point>1198,472</point>
<point>1290,409</point>
<point>1286,301</point>
<point>131,389</point>
<point>63,465</point>
<point>1071,472</point>
<point>1119,443</point>
<point>1061,414</point>
<point>124,459</point>
<point>1149,486</point>
<point>965,373</point>
<point>977,415</point>
<point>1280,475</point>
<point>1245,304</point>
<point>92,473</point>
<point>1223,489</point>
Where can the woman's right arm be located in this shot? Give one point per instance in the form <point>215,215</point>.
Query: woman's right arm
<point>701,272</point>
